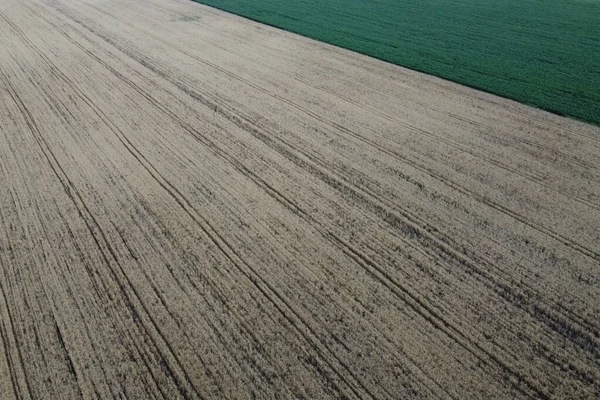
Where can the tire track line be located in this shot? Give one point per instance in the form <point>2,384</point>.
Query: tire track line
<point>101,293</point>
<point>180,285</point>
<point>214,292</point>
<point>76,301</point>
<point>164,302</point>
<point>50,259</point>
<point>21,113</point>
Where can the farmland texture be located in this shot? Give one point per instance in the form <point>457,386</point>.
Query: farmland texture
<point>542,53</point>
<point>197,206</point>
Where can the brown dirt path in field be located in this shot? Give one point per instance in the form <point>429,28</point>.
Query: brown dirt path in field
<point>196,206</point>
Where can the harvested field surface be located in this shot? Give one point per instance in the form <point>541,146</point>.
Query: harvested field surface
<point>193,205</point>
<point>543,53</point>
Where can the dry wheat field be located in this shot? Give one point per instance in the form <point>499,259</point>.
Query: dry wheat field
<point>197,206</point>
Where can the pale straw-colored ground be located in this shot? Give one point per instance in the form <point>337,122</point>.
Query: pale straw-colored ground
<point>193,205</point>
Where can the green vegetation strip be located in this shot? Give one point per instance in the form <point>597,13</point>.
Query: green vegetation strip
<point>545,53</point>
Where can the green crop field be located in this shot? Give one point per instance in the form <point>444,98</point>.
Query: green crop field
<point>544,53</point>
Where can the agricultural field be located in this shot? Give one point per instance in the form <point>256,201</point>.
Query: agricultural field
<point>197,206</point>
<point>545,53</point>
